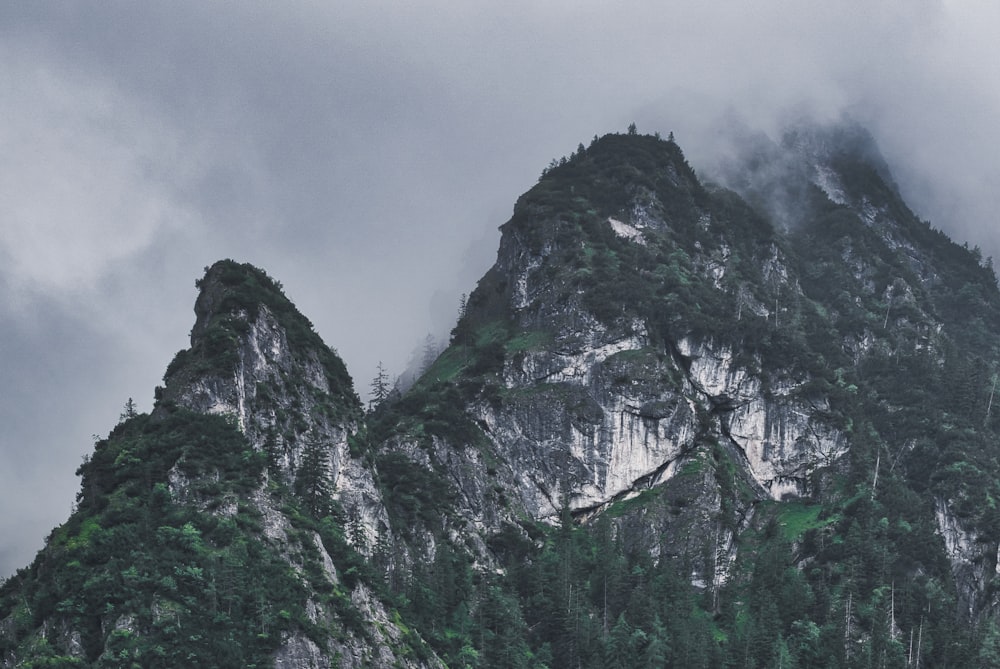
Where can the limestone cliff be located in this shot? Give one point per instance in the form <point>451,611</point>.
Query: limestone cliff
<point>246,560</point>
<point>676,425</point>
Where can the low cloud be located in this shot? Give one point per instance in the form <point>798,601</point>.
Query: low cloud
<point>365,153</point>
<point>87,179</point>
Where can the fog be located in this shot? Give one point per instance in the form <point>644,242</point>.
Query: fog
<point>364,154</point>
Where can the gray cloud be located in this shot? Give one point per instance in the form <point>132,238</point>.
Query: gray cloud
<point>365,152</point>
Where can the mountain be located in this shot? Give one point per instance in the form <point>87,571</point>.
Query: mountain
<point>679,423</point>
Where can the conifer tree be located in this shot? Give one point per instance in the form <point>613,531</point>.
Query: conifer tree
<point>380,387</point>
<point>618,651</point>
<point>129,411</point>
<point>657,650</point>
<point>430,353</point>
<point>313,479</point>
<point>989,650</point>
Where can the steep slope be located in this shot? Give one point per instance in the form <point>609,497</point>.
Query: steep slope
<point>634,323</point>
<point>796,390</point>
<point>919,316</point>
<point>677,425</point>
<point>207,533</point>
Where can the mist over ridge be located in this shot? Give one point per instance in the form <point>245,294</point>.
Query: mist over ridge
<point>366,155</point>
<point>748,431</point>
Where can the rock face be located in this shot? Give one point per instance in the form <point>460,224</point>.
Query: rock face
<point>974,559</point>
<point>633,325</point>
<point>291,398</point>
<point>759,420</point>
<point>607,384</point>
<point>285,396</point>
<point>273,388</point>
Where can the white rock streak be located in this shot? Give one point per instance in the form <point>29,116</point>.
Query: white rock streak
<point>626,231</point>
<point>777,433</point>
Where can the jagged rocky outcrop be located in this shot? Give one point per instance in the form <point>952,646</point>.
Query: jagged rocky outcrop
<point>286,390</point>
<point>636,321</point>
<point>291,397</point>
<point>275,389</point>
<point>763,415</point>
<point>974,560</point>
<point>600,397</point>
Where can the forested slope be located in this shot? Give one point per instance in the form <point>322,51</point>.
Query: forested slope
<point>677,424</point>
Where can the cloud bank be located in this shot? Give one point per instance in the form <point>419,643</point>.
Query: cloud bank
<point>364,153</point>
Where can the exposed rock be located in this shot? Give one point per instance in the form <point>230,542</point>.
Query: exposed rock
<point>975,560</point>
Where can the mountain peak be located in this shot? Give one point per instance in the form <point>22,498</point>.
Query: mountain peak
<point>246,330</point>
<point>610,176</point>
<point>707,403</point>
<point>229,287</point>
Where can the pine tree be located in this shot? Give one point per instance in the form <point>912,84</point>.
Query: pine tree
<point>618,651</point>
<point>128,412</point>
<point>657,650</point>
<point>502,631</point>
<point>380,387</point>
<point>430,353</point>
<point>989,650</point>
<point>313,479</point>
<point>357,534</point>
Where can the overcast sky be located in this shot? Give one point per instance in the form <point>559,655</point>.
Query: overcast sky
<point>364,153</point>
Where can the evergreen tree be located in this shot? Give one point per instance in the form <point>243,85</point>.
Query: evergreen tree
<point>313,479</point>
<point>380,387</point>
<point>989,650</point>
<point>430,353</point>
<point>128,412</point>
<point>618,650</point>
<point>502,631</point>
<point>658,647</point>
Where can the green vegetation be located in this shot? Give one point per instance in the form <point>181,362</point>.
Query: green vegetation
<point>165,563</point>
<point>796,518</point>
<point>830,304</point>
<point>879,323</point>
<point>147,577</point>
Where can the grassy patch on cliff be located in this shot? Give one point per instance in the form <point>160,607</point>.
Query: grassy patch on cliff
<point>796,518</point>
<point>528,340</point>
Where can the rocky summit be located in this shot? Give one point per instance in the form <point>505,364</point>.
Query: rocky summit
<point>745,423</point>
